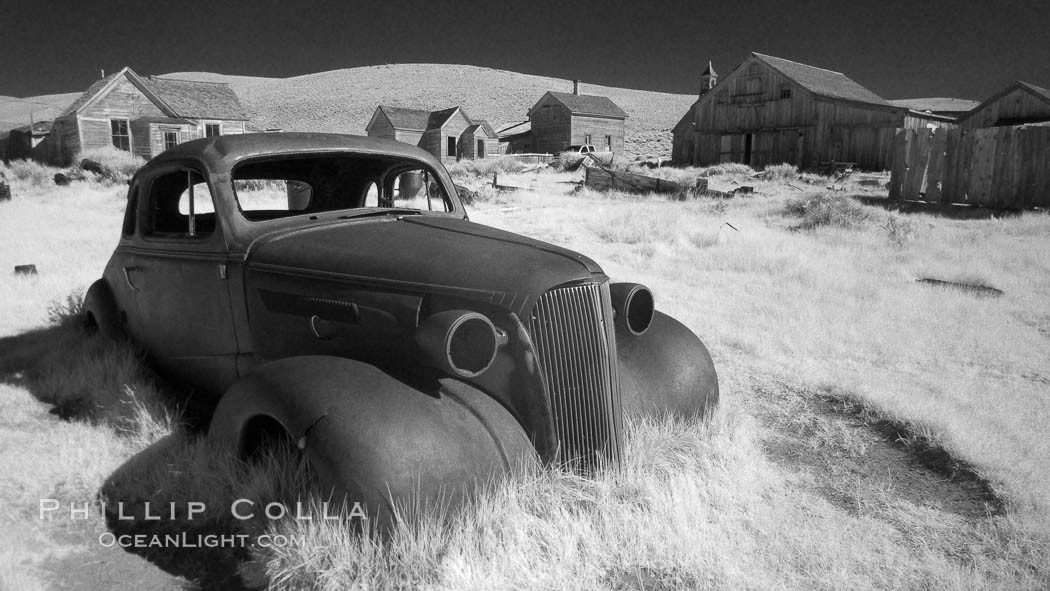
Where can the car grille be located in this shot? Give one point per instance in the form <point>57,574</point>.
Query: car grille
<point>572,330</point>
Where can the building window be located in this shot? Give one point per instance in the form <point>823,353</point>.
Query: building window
<point>451,151</point>
<point>785,93</point>
<point>211,129</point>
<point>121,136</point>
<point>608,143</point>
<point>171,139</point>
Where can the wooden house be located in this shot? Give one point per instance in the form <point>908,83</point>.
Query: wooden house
<point>1018,104</point>
<point>479,141</point>
<point>449,134</point>
<point>144,116</point>
<point>515,138</point>
<point>770,110</point>
<point>560,119</point>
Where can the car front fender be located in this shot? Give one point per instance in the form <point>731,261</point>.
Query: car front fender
<point>665,370</point>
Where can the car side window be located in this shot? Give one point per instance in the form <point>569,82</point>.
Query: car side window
<point>179,205</point>
<point>418,189</point>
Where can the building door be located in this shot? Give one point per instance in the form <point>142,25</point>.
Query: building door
<point>451,151</point>
<point>481,149</point>
<point>749,142</point>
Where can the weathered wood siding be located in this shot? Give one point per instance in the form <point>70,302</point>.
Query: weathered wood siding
<point>784,122</point>
<point>435,140</point>
<point>381,127</point>
<point>469,144</point>
<point>999,167</point>
<point>123,101</point>
<point>551,124</point>
<point>1016,105</point>
<point>599,128</point>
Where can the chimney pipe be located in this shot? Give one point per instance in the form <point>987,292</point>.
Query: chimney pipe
<point>576,87</point>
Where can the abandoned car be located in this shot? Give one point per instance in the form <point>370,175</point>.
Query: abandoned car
<point>330,289</point>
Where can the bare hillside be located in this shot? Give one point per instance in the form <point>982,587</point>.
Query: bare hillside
<point>343,100</point>
<point>16,112</point>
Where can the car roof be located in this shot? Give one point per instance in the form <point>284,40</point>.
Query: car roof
<point>225,150</point>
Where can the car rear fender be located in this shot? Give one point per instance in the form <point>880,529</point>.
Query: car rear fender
<point>372,438</point>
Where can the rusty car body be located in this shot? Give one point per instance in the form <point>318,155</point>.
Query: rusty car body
<point>331,289</point>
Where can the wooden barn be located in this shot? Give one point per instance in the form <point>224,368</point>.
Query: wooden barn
<point>560,119</point>
<point>449,134</point>
<point>770,110</point>
<point>1018,104</point>
<point>144,116</point>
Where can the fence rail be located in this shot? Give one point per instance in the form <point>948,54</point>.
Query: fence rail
<point>998,167</point>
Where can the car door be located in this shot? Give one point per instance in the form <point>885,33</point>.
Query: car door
<point>183,315</point>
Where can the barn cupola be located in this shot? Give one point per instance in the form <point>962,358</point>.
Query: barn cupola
<point>708,79</point>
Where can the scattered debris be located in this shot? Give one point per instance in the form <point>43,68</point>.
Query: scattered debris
<point>601,178</point>
<point>499,187</point>
<point>92,166</point>
<point>62,180</point>
<point>975,288</point>
<point>744,189</point>
<point>25,269</point>
<point>5,191</point>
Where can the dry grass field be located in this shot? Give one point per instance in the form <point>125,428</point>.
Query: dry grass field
<point>874,433</point>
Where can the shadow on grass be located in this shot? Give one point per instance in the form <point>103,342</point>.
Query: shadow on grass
<point>203,548</point>
<point>952,211</point>
<point>88,378</point>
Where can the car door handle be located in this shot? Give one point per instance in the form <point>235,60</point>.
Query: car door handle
<point>127,277</point>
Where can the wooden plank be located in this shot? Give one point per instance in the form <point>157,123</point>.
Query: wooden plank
<point>950,176</point>
<point>896,166</point>
<point>1040,156</point>
<point>935,171</point>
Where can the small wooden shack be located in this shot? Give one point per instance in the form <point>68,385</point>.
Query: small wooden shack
<point>515,138</point>
<point>143,115</point>
<point>770,110</point>
<point>560,119</point>
<point>25,141</point>
<point>449,134</point>
<point>1018,104</point>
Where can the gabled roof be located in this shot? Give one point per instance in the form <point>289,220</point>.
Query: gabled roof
<point>936,105</point>
<point>1036,91</point>
<point>586,104</point>
<point>822,82</point>
<point>200,100</point>
<point>99,87</point>
<point>176,98</point>
<point>483,126</point>
<point>402,118</point>
<point>438,119</point>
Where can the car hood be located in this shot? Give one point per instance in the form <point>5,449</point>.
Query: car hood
<point>425,254</point>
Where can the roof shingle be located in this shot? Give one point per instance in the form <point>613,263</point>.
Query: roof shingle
<point>822,82</point>
<point>200,100</point>
<point>586,104</point>
<point>402,118</point>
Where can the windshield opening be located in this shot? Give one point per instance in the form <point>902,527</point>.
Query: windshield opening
<point>305,185</point>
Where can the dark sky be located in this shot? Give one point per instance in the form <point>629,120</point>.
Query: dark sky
<point>959,48</point>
